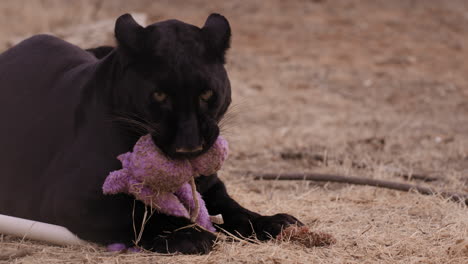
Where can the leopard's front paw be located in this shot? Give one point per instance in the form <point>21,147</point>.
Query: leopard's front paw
<point>267,227</point>
<point>185,241</point>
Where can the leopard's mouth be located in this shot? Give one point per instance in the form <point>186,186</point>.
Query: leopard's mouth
<point>180,153</point>
<point>187,155</point>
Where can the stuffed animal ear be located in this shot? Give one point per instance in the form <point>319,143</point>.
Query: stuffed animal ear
<point>129,33</point>
<point>217,35</point>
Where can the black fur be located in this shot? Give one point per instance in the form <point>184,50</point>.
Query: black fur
<point>101,52</point>
<point>68,113</point>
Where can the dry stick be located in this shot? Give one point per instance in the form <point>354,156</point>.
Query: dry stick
<point>196,211</point>
<point>417,176</point>
<point>194,215</point>
<point>458,197</point>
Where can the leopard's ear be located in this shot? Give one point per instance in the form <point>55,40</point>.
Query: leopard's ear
<point>217,35</point>
<point>129,33</point>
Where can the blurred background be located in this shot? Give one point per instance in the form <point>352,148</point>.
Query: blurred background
<point>379,88</point>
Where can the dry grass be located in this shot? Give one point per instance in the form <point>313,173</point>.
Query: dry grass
<point>319,77</point>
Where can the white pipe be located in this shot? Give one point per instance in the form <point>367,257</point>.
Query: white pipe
<point>34,230</point>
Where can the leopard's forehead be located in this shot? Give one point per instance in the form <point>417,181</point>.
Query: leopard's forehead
<point>176,42</point>
<point>179,61</point>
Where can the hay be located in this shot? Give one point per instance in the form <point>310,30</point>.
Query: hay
<point>322,76</point>
<point>304,236</point>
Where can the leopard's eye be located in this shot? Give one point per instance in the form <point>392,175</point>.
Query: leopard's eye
<point>159,97</point>
<point>206,95</point>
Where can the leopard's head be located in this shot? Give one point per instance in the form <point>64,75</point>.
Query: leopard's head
<point>174,81</point>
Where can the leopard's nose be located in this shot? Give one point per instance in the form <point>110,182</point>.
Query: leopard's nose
<point>189,150</point>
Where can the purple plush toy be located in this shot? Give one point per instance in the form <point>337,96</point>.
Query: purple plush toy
<point>164,184</point>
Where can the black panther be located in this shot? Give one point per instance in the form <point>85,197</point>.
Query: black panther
<point>67,113</point>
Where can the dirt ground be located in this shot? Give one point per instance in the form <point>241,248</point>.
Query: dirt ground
<point>379,87</point>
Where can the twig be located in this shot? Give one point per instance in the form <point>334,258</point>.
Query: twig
<point>458,197</point>
<point>325,159</point>
<point>143,223</point>
<point>196,210</point>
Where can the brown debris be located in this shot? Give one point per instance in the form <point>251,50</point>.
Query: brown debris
<point>304,236</point>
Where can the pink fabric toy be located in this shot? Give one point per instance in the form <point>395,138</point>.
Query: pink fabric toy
<point>163,183</point>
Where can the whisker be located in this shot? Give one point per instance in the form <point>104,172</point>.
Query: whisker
<point>136,123</point>
<point>230,118</point>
